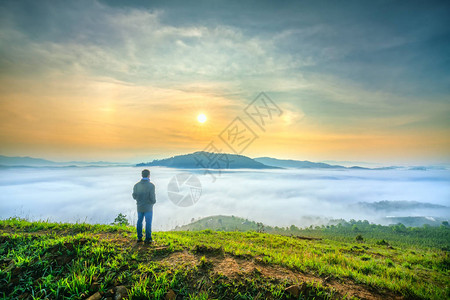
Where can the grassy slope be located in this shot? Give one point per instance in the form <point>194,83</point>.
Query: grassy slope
<point>397,235</point>
<point>74,261</point>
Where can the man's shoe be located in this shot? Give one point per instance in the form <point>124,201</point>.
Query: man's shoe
<point>148,242</point>
<point>139,241</point>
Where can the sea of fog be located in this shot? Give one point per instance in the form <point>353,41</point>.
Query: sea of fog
<point>274,197</point>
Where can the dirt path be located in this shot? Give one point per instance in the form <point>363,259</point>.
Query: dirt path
<point>233,267</point>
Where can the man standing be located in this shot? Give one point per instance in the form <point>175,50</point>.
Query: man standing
<point>144,194</point>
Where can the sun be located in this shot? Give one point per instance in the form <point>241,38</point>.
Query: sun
<point>201,118</point>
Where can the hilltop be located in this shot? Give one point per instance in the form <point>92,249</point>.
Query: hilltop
<point>78,261</point>
<point>208,160</point>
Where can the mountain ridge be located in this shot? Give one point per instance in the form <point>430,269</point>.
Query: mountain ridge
<point>208,160</point>
<point>306,164</point>
<point>264,162</point>
<point>386,205</point>
<point>27,161</point>
<point>298,164</point>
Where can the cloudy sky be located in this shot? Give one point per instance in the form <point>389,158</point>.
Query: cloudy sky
<point>124,80</point>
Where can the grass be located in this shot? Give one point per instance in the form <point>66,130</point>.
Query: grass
<point>425,236</point>
<point>73,261</point>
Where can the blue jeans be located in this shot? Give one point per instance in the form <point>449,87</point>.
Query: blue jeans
<point>148,225</point>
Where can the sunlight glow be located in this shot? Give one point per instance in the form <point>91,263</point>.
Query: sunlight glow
<point>201,118</point>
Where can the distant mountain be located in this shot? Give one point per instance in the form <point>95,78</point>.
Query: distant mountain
<point>297,164</point>
<point>208,160</point>
<point>392,206</point>
<point>305,164</point>
<point>418,168</point>
<point>347,163</point>
<point>24,161</point>
<point>96,163</point>
<point>358,168</point>
<point>380,168</point>
<point>414,221</point>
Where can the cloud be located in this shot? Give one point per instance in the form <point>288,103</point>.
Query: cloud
<point>95,67</point>
<point>134,46</point>
<point>276,197</point>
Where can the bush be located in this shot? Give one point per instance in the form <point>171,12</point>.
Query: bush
<point>359,238</point>
<point>382,243</point>
<point>121,219</point>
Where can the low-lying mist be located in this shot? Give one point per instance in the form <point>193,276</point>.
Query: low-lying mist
<point>274,197</point>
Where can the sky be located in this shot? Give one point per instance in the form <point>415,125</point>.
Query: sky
<point>126,80</point>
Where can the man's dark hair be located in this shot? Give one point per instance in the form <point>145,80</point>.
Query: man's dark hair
<point>145,173</point>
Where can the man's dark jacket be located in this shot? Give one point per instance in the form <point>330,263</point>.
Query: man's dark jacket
<point>144,194</point>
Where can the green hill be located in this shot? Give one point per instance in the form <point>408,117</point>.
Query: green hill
<point>41,260</point>
<point>338,230</point>
<point>222,223</point>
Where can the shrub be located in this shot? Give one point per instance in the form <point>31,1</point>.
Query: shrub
<point>121,219</point>
<point>359,238</point>
<point>382,243</point>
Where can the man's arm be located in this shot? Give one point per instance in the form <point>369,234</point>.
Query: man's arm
<point>134,193</point>
<point>153,195</point>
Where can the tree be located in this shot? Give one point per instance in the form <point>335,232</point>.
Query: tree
<point>260,227</point>
<point>293,228</point>
<point>399,227</point>
<point>121,219</point>
<point>359,238</point>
